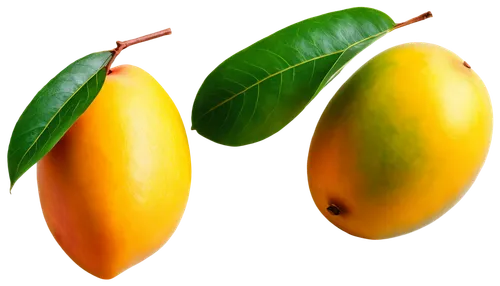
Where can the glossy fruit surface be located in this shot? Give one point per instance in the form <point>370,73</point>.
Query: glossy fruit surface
<point>401,142</point>
<point>114,189</point>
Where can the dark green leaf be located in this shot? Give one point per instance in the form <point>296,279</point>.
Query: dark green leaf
<point>259,90</point>
<point>53,110</point>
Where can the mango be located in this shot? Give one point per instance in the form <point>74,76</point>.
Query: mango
<point>114,188</point>
<point>401,142</point>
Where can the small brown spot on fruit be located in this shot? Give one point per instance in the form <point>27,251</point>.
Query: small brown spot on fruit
<point>333,209</point>
<point>467,65</point>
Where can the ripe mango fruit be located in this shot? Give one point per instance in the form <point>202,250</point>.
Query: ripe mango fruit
<point>401,142</point>
<point>115,187</point>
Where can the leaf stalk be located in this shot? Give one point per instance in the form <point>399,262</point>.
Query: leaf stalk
<point>422,17</point>
<point>120,46</point>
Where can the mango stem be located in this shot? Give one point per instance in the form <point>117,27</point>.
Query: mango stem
<point>414,20</point>
<point>120,46</point>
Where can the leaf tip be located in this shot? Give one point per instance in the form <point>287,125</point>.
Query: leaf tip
<point>10,189</point>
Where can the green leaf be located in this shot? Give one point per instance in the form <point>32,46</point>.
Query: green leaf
<point>259,90</point>
<point>53,110</point>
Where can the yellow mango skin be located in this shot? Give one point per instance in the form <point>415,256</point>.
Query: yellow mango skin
<point>401,142</point>
<point>114,189</point>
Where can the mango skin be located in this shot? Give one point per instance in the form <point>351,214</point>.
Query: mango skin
<point>114,189</point>
<point>401,142</point>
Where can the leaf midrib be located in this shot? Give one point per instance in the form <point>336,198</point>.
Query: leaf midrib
<point>58,111</point>
<point>291,67</point>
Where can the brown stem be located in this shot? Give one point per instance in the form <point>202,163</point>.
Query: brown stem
<point>120,46</point>
<point>414,20</point>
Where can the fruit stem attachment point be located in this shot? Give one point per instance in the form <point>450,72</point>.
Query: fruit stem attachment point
<point>333,209</point>
<point>120,46</point>
<point>467,65</point>
<point>414,20</point>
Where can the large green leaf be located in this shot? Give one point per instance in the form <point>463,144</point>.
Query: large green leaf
<point>53,110</point>
<point>259,90</point>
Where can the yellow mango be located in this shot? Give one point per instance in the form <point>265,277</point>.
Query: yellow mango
<point>401,142</point>
<point>115,187</point>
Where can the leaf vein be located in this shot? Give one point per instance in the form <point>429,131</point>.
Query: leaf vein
<point>233,81</point>
<point>256,66</point>
<point>277,100</point>
<point>227,115</point>
<point>239,113</point>
<point>313,70</point>
<point>275,54</point>
<point>245,72</point>
<point>254,109</point>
